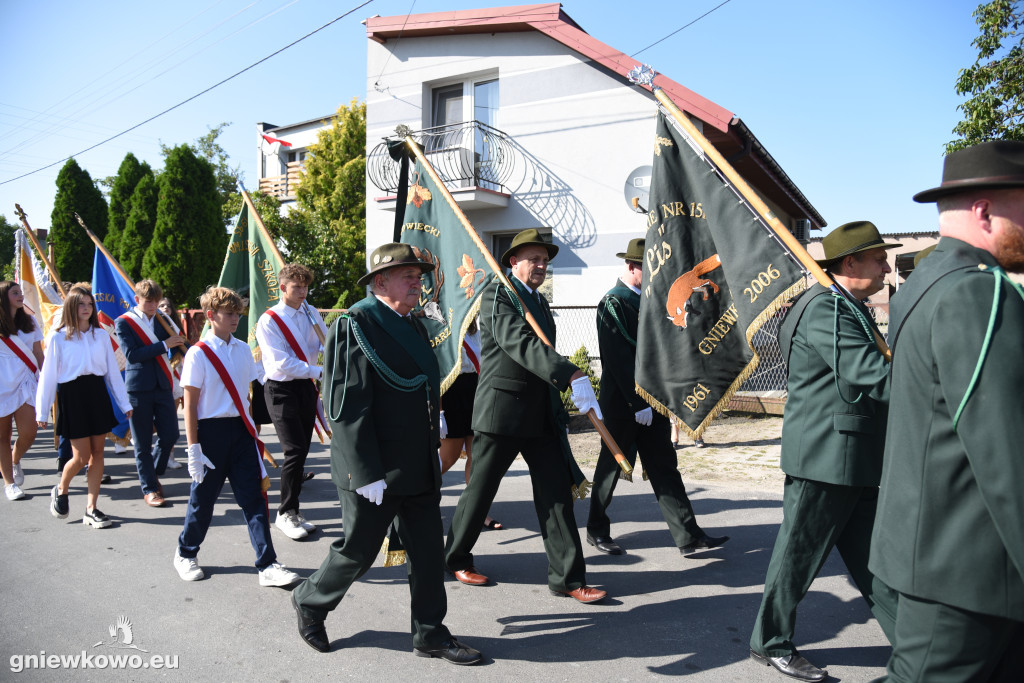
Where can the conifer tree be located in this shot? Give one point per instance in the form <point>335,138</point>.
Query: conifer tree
<point>189,239</point>
<point>73,250</point>
<point>129,173</point>
<point>138,229</point>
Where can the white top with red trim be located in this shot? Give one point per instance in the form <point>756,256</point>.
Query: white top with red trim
<point>17,383</point>
<point>86,353</point>
<point>214,399</point>
<point>279,361</point>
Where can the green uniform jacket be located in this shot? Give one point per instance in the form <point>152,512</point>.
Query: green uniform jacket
<point>520,376</point>
<point>950,524</point>
<point>833,360</point>
<point>380,431</point>
<point>617,320</point>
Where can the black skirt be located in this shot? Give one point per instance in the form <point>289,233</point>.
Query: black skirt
<point>83,408</point>
<point>457,403</point>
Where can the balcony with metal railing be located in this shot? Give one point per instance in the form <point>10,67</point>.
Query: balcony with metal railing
<point>474,160</point>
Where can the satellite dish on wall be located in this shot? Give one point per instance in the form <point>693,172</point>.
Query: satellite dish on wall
<point>637,189</point>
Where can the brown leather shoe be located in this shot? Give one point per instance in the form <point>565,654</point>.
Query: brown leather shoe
<point>154,500</point>
<point>470,577</point>
<point>584,594</point>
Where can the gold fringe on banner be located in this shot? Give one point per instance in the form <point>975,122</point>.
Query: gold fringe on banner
<point>580,492</point>
<point>393,558</point>
<point>752,329</point>
<point>474,310</point>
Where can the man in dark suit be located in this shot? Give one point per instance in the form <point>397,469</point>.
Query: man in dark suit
<point>950,529</point>
<point>382,387</point>
<point>633,423</point>
<point>518,409</point>
<point>832,440</point>
<point>148,379</point>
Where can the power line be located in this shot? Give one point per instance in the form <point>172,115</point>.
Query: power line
<point>680,29</point>
<point>184,102</point>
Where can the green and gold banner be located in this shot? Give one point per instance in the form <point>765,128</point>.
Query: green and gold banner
<point>450,296</point>
<point>250,268</point>
<point>712,276</point>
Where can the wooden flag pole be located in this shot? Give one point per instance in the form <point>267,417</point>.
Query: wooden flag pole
<point>598,424</point>
<point>645,76</point>
<point>161,317</point>
<point>42,254</point>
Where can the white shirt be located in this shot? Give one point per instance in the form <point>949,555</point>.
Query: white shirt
<point>197,371</point>
<point>147,323</point>
<point>279,361</point>
<point>17,383</point>
<point>86,353</point>
<point>473,342</point>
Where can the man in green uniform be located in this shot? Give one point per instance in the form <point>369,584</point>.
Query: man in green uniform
<point>518,410</point>
<point>381,382</point>
<point>832,441</point>
<point>633,424</point>
<point>950,532</point>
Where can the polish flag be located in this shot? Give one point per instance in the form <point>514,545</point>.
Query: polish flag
<point>272,145</point>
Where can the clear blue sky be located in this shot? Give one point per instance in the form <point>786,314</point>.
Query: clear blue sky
<point>854,100</point>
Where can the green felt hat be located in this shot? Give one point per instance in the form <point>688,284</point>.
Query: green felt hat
<point>989,165</point>
<point>852,238</point>
<point>526,238</point>
<point>634,252</point>
<point>392,255</point>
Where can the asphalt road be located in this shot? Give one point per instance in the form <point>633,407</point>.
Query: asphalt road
<point>66,586</point>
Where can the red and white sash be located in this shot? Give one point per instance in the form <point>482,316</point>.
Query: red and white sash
<point>236,398</point>
<point>145,335</point>
<point>300,354</point>
<point>17,347</point>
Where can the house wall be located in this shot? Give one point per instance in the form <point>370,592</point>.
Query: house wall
<point>579,131</point>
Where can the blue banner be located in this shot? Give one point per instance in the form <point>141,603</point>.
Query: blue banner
<point>114,297</point>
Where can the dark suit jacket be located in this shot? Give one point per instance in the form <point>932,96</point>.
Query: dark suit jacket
<point>520,376</point>
<point>142,372</point>
<point>950,524</point>
<point>826,438</point>
<point>618,316</point>
<point>380,431</point>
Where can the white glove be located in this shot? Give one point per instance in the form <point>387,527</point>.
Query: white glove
<point>644,417</point>
<point>444,426</point>
<point>584,398</point>
<point>197,463</point>
<point>373,492</point>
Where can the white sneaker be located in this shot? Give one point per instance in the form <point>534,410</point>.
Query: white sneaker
<point>14,492</point>
<point>278,575</point>
<point>173,464</point>
<point>305,523</point>
<point>120,448</point>
<point>187,567</point>
<point>19,474</point>
<point>288,523</point>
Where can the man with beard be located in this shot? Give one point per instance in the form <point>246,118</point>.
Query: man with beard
<point>949,535</point>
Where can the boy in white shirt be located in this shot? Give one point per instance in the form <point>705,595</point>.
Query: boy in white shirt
<point>222,442</point>
<point>290,344</point>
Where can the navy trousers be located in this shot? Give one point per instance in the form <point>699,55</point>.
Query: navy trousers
<point>228,445</point>
<point>149,408</point>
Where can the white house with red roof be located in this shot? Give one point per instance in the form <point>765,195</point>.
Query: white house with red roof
<point>533,123</point>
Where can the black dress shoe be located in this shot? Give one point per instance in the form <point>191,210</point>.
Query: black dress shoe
<point>792,665</point>
<point>605,544</point>
<point>453,651</point>
<point>312,630</point>
<point>705,542</point>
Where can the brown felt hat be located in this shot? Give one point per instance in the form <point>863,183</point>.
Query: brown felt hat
<point>634,252</point>
<point>852,238</point>
<point>526,238</point>
<point>392,255</point>
<point>989,165</point>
